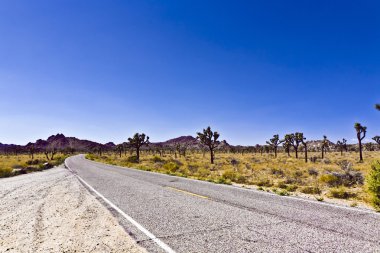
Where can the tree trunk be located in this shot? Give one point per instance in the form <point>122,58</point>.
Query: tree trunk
<point>323,153</point>
<point>305,153</point>
<point>360,150</point>
<point>212,156</point>
<point>275,152</point>
<point>138,154</point>
<point>296,150</point>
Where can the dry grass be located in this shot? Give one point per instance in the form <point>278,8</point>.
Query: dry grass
<point>11,165</point>
<point>282,175</point>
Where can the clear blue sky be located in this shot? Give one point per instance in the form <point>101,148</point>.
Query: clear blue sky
<point>103,70</point>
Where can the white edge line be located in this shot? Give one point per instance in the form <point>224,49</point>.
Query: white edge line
<point>160,243</point>
<point>302,199</point>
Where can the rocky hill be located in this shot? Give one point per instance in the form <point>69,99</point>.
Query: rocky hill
<point>59,142</point>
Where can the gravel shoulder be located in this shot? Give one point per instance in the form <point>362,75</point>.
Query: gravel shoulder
<point>52,211</point>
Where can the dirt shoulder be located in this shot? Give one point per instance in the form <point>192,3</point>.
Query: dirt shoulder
<point>51,211</point>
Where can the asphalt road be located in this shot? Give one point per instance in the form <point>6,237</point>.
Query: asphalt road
<point>195,216</point>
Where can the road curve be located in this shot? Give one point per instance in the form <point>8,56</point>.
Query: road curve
<point>196,216</point>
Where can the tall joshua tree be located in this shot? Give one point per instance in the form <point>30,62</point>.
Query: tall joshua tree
<point>288,142</point>
<point>137,141</point>
<point>360,134</point>
<point>209,139</point>
<point>274,143</point>
<point>296,141</point>
<point>324,146</point>
<point>342,145</point>
<point>301,139</point>
<point>286,146</point>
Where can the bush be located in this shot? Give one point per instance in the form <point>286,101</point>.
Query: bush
<point>230,174</point>
<point>203,172</point>
<point>281,185</point>
<point>45,166</point>
<point>330,180</point>
<point>283,193</point>
<point>157,159</point>
<point>349,177</point>
<point>291,187</point>
<point>264,182</point>
<point>91,157</point>
<point>277,172</point>
<point>222,180</point>
<point>33,162</point>
<point>234,176</point>
<point>341,193</point>
<point>298,174</point>
<point>313,172</point>
<point>326,161</point>
<point>373,185</point>
<point>234,162</point>
<point>58,160</point>
<point>311,190</point>
<point>132,159</point>
<point>5,172</point>
<point>171,166</point>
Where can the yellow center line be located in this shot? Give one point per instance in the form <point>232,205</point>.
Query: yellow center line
<point>186,192</point>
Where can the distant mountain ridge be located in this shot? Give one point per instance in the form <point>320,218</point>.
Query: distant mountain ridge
<point>61,142</point>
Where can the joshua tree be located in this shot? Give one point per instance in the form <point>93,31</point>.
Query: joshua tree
<point>32,150</point>
<point>120,149</point>
<point>342,145</point>
<point>53,151</point>
<point>137,141</point>
<point>288,142</point>
<point>177,149</point>
<point>300,138</point>
<point>324,146</point>
<point>377,139</point>
<point>360,134</point>
<point>184,148</point>
<point>209,139</point>
<point>257,148</point>
<point>98,149</point>
<point>369,146</point>
<point>296,138</point>
<point>286,147</point>
<point>274,143</point>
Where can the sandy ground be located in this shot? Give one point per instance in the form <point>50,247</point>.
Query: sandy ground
<point>51,211</point>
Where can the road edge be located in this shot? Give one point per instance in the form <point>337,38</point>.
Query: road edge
<point>160,243</point>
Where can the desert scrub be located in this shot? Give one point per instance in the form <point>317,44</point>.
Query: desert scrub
<point>234,176</point>
<point>373,184</point>
<point>283,172</point>
<point>5,172</point>
<point>341,193</point>
<point>311,190</point>
<point>157,159</point>
<point>329,179</point>
<point>12,165</point>
<point>132,159</point>
<point>171,167</point>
